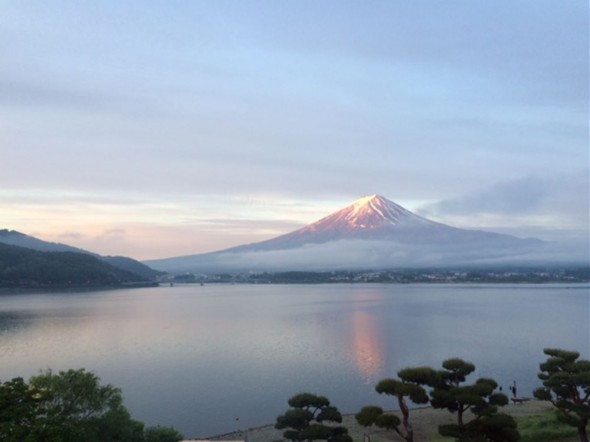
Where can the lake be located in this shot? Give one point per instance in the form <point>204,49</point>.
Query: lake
<point>216,358</point>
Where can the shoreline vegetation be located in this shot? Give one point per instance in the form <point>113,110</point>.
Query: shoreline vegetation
<point>425,421</point>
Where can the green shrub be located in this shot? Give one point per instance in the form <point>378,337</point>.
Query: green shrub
<point>162,434</point>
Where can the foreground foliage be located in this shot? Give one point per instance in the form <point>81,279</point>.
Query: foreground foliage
<point>162,434</point>
<point>306,417</point>
<point>68,406</point>
<point>566,384</point>
<point>408,386</point>
<point>480,398</point>
<point>447,391</point>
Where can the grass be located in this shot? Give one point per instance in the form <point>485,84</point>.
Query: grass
<point>545,427</point>
<point>542,427</point>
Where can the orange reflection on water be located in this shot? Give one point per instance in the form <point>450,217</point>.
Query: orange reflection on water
<point>367,346</point>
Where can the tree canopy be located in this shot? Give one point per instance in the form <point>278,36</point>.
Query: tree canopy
<point>162,434</point>
<point>305,420</point>
<point>18,404</point>
<point>566,384</point>
<point>480,398</point>
<point>409,385</point>
<point>68,406</point>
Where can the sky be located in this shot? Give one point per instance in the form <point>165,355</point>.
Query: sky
<point>163,128</point>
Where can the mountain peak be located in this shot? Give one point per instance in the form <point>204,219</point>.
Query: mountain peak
<point>375,211</point>
<point>366,199</point>
<point>372,216</point>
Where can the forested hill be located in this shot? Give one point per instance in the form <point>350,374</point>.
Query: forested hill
<point>26,268</point>
<point>14,238</point>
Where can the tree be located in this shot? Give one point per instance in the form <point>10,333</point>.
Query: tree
<point>117,425</point>
<point>73,406</point>
<point>306,418</point>
<point>409,385</point>
<point>70,406</point>
<point>479,398</point>
<point>566,384</point>
<point>17,410</point>
<point>162,434</point>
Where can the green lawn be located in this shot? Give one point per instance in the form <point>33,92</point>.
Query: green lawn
<point>545,427</point>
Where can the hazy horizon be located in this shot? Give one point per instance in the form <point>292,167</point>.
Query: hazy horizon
<point>156,129</point>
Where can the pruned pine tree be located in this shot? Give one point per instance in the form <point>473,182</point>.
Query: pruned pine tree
<point>408,386</point>
<point>566,384</point>
<point>308,419</point>
<point>373,415</point>
<point>480,398</point>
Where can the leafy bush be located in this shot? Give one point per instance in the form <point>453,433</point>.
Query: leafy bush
<point>70,406</point>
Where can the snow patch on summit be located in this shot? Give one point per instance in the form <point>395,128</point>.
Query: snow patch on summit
<point>375,211</point>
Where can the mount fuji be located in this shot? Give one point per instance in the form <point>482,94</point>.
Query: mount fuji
<point>375,218</point>
<point>372,232</point>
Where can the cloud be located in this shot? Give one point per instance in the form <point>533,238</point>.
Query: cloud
<point>163,113</point>
<point>111,234</point>
<point>71,235</point>
<point>365,254</point>
<point>518,196</point>
<point>559,201</point>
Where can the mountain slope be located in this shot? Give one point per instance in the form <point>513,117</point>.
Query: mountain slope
<point>27,268</point>
<point>18,239</point>
<point>376,218</point>
<point>371,232</point>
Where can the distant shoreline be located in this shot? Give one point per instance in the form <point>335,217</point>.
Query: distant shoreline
<point>74,288</point>
<point>214,283</point>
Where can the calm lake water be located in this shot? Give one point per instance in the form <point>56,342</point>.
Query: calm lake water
<point>213,359</point>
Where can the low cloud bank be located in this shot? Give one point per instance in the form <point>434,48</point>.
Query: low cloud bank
<point>364,254</point>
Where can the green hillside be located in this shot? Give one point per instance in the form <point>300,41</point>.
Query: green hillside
<point>26,268</point>
<point>14,238</point>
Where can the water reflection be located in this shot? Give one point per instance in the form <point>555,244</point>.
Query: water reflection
<point>367,346</point>
<point>195,357</point>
